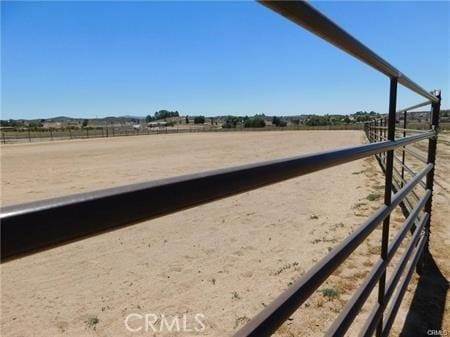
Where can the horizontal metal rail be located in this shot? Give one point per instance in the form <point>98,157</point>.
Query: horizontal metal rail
<point>55,221</point>
<point>398,181</point>
<point>272,316</point>
<point>379,127</point>
<point>419,227</point>
<point>313,20</point>
<point>409,170</point>
<point>399,129</point>
<point>352,307</point>
<point>416,106</point>
<point>399,175</point>
<point>402,287</point>
<point>409,130</point>
<point>415,154</point>
<point>376,313</point>
<point>396,184</point>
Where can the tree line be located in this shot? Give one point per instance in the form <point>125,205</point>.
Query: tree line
<point>230,121</point>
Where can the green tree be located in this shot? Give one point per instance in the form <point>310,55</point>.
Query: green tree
<point>318,121</point>
<point>230,122</point>
<point>254,122</point>
<point>199,120</point>
<point>278,121</point>
<point>163,114</point>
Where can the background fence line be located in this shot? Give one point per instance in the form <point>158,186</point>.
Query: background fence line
<point>10,137</point>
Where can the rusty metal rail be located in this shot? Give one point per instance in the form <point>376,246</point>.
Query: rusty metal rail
<point>33,227</point>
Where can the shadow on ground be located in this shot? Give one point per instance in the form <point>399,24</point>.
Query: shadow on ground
<point>428,305</point>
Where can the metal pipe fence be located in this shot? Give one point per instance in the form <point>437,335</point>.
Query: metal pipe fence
<point>33,227</point>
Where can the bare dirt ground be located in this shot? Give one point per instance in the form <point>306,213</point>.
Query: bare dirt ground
<point>225,260</point>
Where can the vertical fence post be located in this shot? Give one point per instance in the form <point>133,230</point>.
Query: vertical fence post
<point>372,130</point>
<point>385,130</point>
<point>432,144</point>
<point>29,135</point>
<point>379,125</point>
<point>375,130</point>
<point>51,134</point>
<point>381,129</point>
<point>387,193</point>
<point>3,138</point>
<point>403,151</point>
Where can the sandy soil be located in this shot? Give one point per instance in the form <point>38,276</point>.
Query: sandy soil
<point>225,260</point>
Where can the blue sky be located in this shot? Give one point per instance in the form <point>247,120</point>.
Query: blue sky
<point>88,59</point>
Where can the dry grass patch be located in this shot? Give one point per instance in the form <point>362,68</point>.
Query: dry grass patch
<point>373,196</point>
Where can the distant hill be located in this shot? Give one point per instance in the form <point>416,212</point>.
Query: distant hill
<point>60,118</point>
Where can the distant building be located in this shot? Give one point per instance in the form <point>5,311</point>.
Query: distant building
<point>156,124</point>
<point>52,125</point>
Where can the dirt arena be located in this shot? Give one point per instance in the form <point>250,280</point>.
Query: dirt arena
<point>225,260</point>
